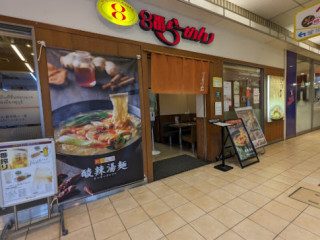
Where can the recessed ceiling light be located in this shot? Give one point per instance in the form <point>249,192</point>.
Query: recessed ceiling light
<point>28,45</point>
<point>32,54</point>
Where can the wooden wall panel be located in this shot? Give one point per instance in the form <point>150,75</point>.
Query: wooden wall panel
<point>200,138</point>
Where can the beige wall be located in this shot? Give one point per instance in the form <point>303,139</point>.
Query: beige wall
<point>177,104</point>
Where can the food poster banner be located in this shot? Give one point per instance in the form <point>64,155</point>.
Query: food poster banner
<point>28,171</point>
<point>275,98</point>
<point>96,117</point>
<point>252,124</point>
<point>240,139</point>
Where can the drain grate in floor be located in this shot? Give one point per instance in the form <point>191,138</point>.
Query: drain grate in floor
<point>308,196</point>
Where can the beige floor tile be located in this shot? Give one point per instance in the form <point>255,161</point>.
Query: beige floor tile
<point>169,222</point>
<point>266,191</point>
<point>77,222</point>
<point>16,235</point>
<point>255,178</point>
<point>175,200</point>
<point>266,174</point>
<point>120,236</point>
<point>48,230</point>
<point>234,189</point>
<point>82,234</point>
<point>120,195</point>
<point>162,191</point>
<point>222,196</point>
<point>180,186</point>
<point>75,210</point>
<point>155,208</point>
<point>293,232</point>
<point>276,185</point>
<point>206,203</point>
<point>286,200</point>
<point>133,217</point>
<point>208,227</point>
<point>230,235</point>
<point>217,181</point>
<point>103,212</point>
<point>242,207</point>
<point>309,223</point>
<point>145,197</point>
<point>252,231</point>
<point>206,187</point>
<point>191,193</point>
<point>281,210</point>
<point>313,211</point>
<point>227,216</point>
<point>269,221</point>
<point>107,228</point>
<point>145,231</point>
<point>185,233</point>
<point>124,204</point>
<point>155,184</point>
<point>230,177</point>
<point>138,190</point>
<point>287,180</point>
<point>98,203</point>
<point>244,183</point>
<point>189,212</point>
<point>255,198</point>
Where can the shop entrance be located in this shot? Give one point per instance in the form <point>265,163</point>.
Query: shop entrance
<point>175,100</point>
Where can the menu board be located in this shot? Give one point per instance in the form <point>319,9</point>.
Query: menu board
<point>275,98</point>
<point>241,140</point>
<point>251,122</point>
<point>28,171</point>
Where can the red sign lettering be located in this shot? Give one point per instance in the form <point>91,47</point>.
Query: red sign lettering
<point>159,26</point>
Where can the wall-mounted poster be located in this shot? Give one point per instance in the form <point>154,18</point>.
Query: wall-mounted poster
<point>256,96</point>
<point>241,140</point>
<point>236,99</point>
<point>28,171</point>
<point>236,87</point>
<point>217,82</point>
<point>252,124</point>
<point>227,95</point>
<point>96,118</point>
<point>275,98</point>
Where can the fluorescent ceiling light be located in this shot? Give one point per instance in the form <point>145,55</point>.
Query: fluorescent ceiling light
<point>14,47</point>
<point>29,67</point>
<point>34,77</point>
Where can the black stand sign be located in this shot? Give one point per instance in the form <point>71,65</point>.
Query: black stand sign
<point>242,143</point>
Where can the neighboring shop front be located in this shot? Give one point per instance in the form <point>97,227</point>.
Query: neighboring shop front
<point>303,94</point>
<point>223,57</point>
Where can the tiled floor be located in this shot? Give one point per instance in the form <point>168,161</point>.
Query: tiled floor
<point>204,203</point>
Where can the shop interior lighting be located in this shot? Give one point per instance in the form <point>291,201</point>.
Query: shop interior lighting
<point>29,67</point>
<point>14,47</point>
<point>33,76</point>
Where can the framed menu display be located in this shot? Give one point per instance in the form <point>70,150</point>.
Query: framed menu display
<point>275,98</point>
<point>242,143</point>
<point>28,171</point>
<point>252,125</point>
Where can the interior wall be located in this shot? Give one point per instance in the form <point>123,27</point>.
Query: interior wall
<point>83,15</point>
<point>177,104</point>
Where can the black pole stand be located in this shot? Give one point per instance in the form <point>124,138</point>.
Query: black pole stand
<point>63,228</point>
<point>223,167</point>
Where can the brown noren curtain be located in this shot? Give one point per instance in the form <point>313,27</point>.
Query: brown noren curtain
<point>177,75</point>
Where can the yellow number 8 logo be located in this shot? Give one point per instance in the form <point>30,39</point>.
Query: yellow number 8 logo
<point>118,12</point>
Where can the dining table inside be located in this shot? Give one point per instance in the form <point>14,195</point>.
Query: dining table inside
<point>180,126</point>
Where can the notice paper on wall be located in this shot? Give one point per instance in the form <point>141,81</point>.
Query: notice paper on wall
<point>256,96</point>
<point>217,82</point>
<point>227,95</point>
<point>218,108</point>
<point>236,87</point>
<point>236,100</point>
<point>226,106</point>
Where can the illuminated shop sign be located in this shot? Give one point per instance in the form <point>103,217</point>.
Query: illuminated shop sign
<point>159,26</point>
<point>118,12</point>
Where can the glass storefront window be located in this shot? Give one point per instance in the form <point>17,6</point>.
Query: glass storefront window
<point>246,90</point>
<point>20,117</point>
<point>304,96</point>
<point>316,99</point>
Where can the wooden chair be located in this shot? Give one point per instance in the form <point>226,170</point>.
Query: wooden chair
<point>169,132</point>
<point>192,138</point>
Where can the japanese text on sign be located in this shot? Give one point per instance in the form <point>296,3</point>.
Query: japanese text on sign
<point>158,24</point>
<point>104,170</point>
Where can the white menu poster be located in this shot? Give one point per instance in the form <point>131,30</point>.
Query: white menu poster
<point>218,108</point>
<point>227,95</point>
<point>256,96</point>
<point>236,87</point>
<point>28,171</point>
<point>236,100</point>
